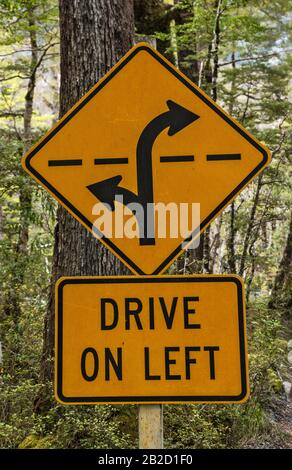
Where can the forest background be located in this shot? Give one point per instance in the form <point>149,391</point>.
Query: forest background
<point>237,51</point>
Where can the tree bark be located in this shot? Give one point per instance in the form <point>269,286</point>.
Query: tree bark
<point>214,264</point>
<point>250,278</point>
<point>206,250</point>
<point>211,258</point>
<point>250,226</point>
<point>231,256</point>
<point>94,35</point>
<point>25,198</point>
<point>12,300</point>
<point>192,70</point>
<point>211,76</point>
<point>215,49</point>
<point>282,289</point>
<point>152,16</point>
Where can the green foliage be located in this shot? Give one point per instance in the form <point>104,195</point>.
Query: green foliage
<point>60,427</point>
<point>221,426</point>
<point>16,403</point>
<point>267,352</point>
<point>82,427</point>
<point>193,427</point>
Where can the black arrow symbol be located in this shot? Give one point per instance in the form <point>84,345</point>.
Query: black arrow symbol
<point>176,118</point>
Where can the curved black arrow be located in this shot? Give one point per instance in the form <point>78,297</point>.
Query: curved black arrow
<point>176,119</point>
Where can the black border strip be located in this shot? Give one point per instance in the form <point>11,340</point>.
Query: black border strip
<point>197,92</point>
<point>157,398</point>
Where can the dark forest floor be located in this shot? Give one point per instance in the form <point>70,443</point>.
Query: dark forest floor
<point>284,423</point>
<point>280,436</point>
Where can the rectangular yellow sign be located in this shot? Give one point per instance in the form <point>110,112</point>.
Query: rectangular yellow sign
<point>162,339</point>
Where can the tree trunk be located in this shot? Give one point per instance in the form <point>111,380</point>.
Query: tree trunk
<point>211,76</point>
<point>250,226</point>
<point>206,250</point>
<point>94,35</point>
<point>231,256</point>
<point>12,300</point>
<point>231,240</point>
<point>192,70</point>
<point>25,199</point>
<point>282,289</point>
<point>250,278</point>
<point>216,246</point>
<point>215,49</point>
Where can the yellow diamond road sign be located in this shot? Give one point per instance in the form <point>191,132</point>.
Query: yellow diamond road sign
<point>145,136</point>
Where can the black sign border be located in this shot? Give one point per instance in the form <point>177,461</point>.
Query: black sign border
<point>197,92</point>
<point>146,399</point>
